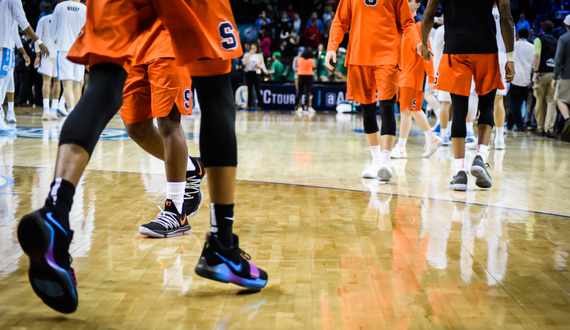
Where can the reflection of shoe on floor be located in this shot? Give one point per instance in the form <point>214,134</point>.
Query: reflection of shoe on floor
<point>459,182</point>
<point>398,152</point>
<point>499,144</point>
<point>46,115</point>
<point>53,113</point>
<point>168,223</point>
<point>479,170</point>
<point>46,243</point>
<point>372,185</point>
<point>229,265</point>
<point>371,172</point>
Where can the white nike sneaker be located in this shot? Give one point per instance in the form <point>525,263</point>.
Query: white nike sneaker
<point>398,152</point>
<point>62,111</point>
<point>53,113</point>
<point>500,144</point>
<point>300,109</point>
<point>11,116</point>
<point>46,115</point>
<point>431,147</point>
<point>5,128</point>
<point>371,172</point>
<point>385,172</point>
<point>312,110</point>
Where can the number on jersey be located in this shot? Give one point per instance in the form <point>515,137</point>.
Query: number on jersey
<point>187,99</point>
<point>227,33</point>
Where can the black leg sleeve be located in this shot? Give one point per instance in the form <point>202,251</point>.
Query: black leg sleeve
<point>460,110</point>
<point>388,117</point>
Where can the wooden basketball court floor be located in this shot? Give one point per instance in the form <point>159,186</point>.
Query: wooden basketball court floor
<point>341,252</point>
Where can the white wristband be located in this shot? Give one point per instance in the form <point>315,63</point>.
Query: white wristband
<point>39,42</point>
<point>511,57</point>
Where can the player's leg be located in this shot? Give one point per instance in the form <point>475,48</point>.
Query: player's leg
<point>499,114</point>
<point>484,130</point>
<point>433,142</point>
<point>434,104</point>
<point>308,94</point>
<point>69,94</point>
<point>46,93</point>
<point>56,93</point>
<point>399,150</point>
<point>471,139</point>
<point>458,134</point>
<point>444,122</point>
<point>10,113</point>
<point>300,91</point>
<point>221,259</point>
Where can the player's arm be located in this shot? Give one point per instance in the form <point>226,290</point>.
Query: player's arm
<point>339,26</point>
<point>536,63</point>
<point>40,33</point>
<point>18,12</point>
<point>427,25</point>
<point>508,33</point>
<point>19,46</point>
<point>558,63</point>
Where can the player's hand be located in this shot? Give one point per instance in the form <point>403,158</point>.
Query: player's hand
<point>27,59</point>
<point>424,51</point>
<point>553,84</point>
<point>37,63</point>
<point>431,87</point>
<point>535,79</point>
<point>331,55</point>
<point>510,71</point>
<point>44,50</point>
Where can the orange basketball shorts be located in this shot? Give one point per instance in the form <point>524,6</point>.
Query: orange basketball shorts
<point>199,30</point>
<point>456,71</point>
<point>364,82</point>
<point>152,89</point>
<point>411,99</point>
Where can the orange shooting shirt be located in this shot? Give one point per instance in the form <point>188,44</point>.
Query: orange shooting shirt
<point>376,28</point>
<point>414,66</point>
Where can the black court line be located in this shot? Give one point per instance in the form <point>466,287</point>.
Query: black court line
<point>333,188</point>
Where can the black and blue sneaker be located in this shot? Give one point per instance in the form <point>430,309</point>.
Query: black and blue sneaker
<point>192,193</point>
<point>46,242</point>
<point>229,265</point>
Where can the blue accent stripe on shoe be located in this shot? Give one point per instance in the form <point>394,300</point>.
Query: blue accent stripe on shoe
<point>51,261</point>
<point>50,218</point>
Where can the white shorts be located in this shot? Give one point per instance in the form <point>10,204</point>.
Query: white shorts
<point>48,67</point>
<point>67,70</point>
<point>443,96</point>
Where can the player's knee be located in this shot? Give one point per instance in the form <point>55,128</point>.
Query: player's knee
<point>487,108</point>
<point>138,131</point>
<point>369,118</point>
<point>388,117</point>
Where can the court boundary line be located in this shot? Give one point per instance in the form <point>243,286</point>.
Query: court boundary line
<point>333,188</point>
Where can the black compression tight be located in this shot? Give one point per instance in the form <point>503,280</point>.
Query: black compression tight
<point>461,108</point>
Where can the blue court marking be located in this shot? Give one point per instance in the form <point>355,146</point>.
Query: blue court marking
<point>341,189</point>
<point>6,182</point>
<point>109,134</point>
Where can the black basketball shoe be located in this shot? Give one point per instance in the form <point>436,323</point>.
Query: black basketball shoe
<point>459,182</point>
<point>46,242</point>
<point>229,265</point>
<point>168,223</point>
<point>193,194</point>
<point>479,170</point>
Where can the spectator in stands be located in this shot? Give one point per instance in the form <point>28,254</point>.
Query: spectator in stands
<point>313,34</point>
<point>327,30</point>
<point>262,18</point>
<point>306,71</point>
<point>253,66</point>
<point>271,13</point>
<point>320,24</point>
<point>340,69</point>
<point>544,54</point>
<point>296,24</point>
<point>277,69</point>
<point>524,55</point>
<point>328,13</point>
<point>321,73</point>
<point>561,78</point>
<point>265,28</point>
<point>265,44</point>
<point>283,27</point>
<point>290,12</point>
<point>522,24</point>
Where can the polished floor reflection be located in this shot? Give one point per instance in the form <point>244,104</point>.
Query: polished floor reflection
<point>341,252</point>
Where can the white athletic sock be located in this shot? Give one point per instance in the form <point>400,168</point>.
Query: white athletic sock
<point>483,151</point>
<point>54,103</point>
<point>445,131</point>
<point>402,142</point>
<point>46,103</point>
<point>175,192</point>
<point>375,151</point>
<point>190,165</point>
<point>10,106</point>
<point>499,131</point>
<point>385,158</point>
<point>459,165</point>
<point>62,102</point>
<point>469,127</point>
<point>429,135</point>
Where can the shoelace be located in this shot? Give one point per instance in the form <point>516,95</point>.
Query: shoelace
<point>167,219</point>
<point>244,254</point>
<point>192,186</point>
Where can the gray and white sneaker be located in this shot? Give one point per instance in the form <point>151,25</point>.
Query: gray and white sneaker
<point>385,172</point>
<point>479,170</point>
<point>459,182</point>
